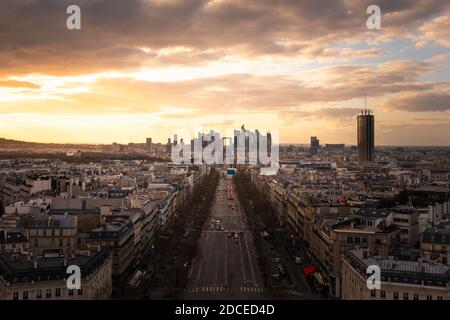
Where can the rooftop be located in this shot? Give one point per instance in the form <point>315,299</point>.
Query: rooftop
<point>404,271</point>
<point>18,265</point>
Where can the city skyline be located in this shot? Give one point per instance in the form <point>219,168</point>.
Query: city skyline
<point>132,70</point>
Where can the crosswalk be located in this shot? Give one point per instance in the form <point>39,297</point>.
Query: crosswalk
<point>251,289</point>
<point>213,289</point>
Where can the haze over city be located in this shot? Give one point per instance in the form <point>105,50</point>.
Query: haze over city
<point>151,68</point>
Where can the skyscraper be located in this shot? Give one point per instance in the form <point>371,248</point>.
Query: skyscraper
<point>148,144</point>
<point>366,136</point>
<point>269,143</point>
<point>169,146</point>
<point>315,145</point>
<point>257,145</point>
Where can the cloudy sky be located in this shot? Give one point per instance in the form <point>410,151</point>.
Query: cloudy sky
<point>149,68</point>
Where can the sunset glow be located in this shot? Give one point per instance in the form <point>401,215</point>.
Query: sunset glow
<point>149,68</point>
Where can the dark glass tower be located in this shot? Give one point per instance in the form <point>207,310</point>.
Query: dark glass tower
<point>315,145</point>
<point>366,136</point>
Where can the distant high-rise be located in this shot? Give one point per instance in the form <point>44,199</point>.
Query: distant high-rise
<point>257,145</point>
<point>315,145</point>
<point>366,136</point>
<point>169,145</point>
<point>269,143</point>
<point>148,144</point>
<point>175,139</point>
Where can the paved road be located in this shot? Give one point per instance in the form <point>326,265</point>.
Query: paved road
<point>225,269</point>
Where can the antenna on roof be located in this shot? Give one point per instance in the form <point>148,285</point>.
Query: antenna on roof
<point>365,103</point>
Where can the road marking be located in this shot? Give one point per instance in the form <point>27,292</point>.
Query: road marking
<point>249,259</point>
<point>202,258</point>
<point>251,289</point>
<point>217,262</point>
<point>226,261</point>
<point>242,261</point>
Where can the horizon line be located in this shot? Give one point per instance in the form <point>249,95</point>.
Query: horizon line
<point>164,143</point>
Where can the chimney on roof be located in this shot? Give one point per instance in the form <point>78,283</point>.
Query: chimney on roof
<point>364,254</point>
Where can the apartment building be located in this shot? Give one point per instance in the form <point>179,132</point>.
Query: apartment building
<point>407,219</point>
<point>33,206</point>
<point>435,243</point>
<point>149,219</point>
<point>12,239</point>
<point>136,218</point>
<point>331,237</point>
<point>51,234</point>
<point>22,278</point>
<point>277,193</point>
<point>119,236</point>
<point>400,280</point>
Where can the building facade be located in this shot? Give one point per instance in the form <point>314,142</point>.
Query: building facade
<point>366,136</point>
<point>22,278</point>
<point>400,280</point>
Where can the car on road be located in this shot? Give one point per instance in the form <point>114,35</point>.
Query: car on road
<point>277,260</point>
<point>298,260</point>
<point>137,277</point>
<point>229,235</point>
<point>236,240</point>
<point>187,262</point>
